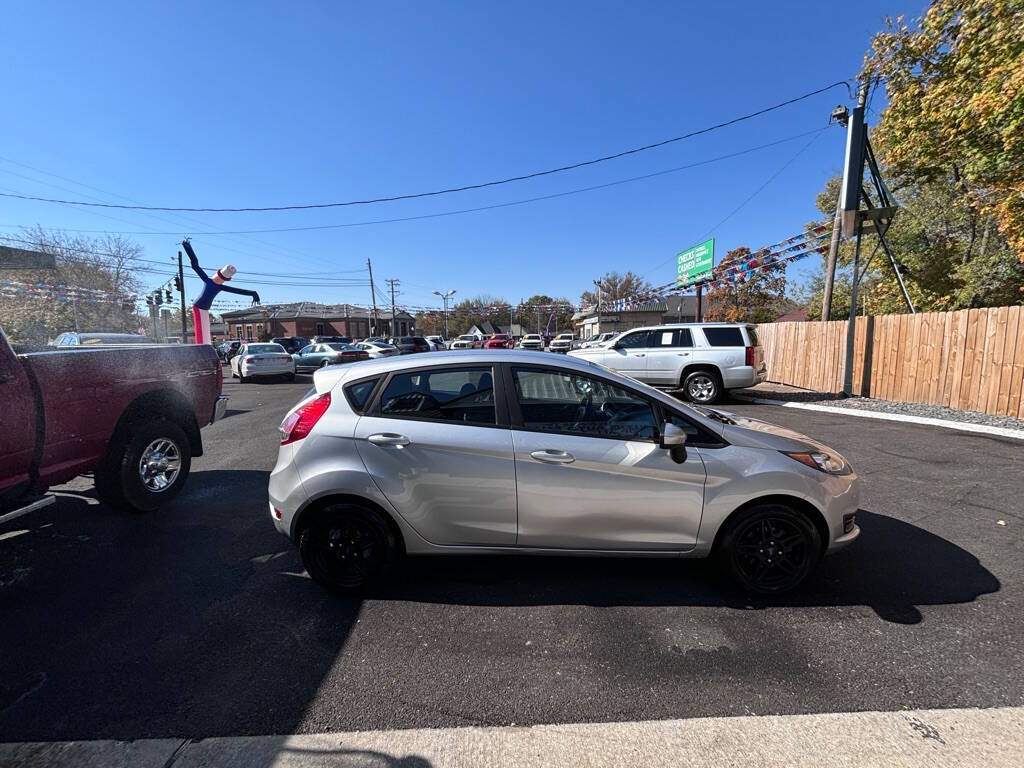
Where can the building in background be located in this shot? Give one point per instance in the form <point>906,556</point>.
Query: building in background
<point>674,309</point>
<point>308,319</point>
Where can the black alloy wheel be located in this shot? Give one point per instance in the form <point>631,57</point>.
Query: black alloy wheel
<point>348,548</point>
<point>770,549</point>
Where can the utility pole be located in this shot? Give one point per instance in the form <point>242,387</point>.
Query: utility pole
<point>857,123</point>
<point>392,282</point>
<point>181,292</point>
<point>837,222</point>
<point>700,302</point>
<point>373,299</point>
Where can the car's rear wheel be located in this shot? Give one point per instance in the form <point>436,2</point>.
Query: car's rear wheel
<point>145,467</point>
<point>702,387</point>
<point>769,549</point>
<point>348,548</point>
<point>324,363</point>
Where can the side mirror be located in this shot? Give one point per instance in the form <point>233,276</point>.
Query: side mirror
<point>672,436</point>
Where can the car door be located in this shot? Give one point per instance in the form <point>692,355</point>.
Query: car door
<point>437,444</point>
<point>669,350</point>
<point>590,473</point>
<point>628,355</point>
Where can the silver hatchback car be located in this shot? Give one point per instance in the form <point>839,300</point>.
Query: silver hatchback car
<point>525,452</point>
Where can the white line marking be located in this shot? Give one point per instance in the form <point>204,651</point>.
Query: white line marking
<point>982,429</point>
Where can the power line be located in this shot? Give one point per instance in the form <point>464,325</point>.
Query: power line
<point>477,209</point>
<point>446,190</point>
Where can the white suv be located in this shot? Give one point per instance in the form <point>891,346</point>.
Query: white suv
<point>702,359</point>
<point>562,342</point>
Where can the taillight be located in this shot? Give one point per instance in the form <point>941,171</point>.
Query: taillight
<point>364,355</point>
<point>750,356</point>
<point>248,359</point>
<point>284,357</point>
<point>301,422</point>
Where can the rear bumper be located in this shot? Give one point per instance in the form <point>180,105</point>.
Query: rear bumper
<point>219,408</point>
<point>276,370</point>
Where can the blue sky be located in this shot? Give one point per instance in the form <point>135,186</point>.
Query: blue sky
<point>253,104</point>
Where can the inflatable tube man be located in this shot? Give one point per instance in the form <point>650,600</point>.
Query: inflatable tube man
<point>211,287</point>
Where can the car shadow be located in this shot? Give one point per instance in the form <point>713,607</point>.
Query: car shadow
<point>894,568</point>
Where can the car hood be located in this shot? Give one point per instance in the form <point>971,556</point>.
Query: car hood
<point>754,433</point>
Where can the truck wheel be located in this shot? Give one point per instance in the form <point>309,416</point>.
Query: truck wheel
<point>702,387</point>
<point>146,467</point>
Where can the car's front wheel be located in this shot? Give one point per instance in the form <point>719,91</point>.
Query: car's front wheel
<point>348,548</point>
<point>769,549</point>
<point>702,387</point>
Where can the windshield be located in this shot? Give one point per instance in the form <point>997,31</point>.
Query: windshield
<point>341,347</point>
<point>467,338</point>
<point>264,349</point>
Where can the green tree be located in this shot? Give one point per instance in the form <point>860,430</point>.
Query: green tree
<point>760,298</point>
<point>955,87</point>
<point>535,313</point>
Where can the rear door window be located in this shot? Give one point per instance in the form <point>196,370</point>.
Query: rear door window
<point>358,393</point>
<point>724,337</point>
<point>670,337</point>
<point>458,395</point>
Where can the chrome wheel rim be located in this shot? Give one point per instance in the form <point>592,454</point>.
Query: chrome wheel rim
<point>160,465</point>
<point>700,388</point>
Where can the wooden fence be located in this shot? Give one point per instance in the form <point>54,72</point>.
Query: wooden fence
<point>972,359</point>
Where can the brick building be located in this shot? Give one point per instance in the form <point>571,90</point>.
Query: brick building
<point>307,319</point>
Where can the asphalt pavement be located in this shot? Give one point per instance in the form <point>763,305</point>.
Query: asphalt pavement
<point>198,621</point>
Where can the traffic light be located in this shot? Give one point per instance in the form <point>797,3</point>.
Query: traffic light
<point>149,301</point>
<point>158,298</point>
<point>177,284</point>
<point>167,296</point>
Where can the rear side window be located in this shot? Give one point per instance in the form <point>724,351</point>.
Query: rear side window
<point>460,395</point>
<point>358,393</point>
<point>724,337</point>
<point>671,337</point>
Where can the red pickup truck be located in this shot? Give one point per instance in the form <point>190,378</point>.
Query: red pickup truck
<point>129,414</point>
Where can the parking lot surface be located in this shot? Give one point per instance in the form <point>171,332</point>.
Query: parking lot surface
<point>198,621</point>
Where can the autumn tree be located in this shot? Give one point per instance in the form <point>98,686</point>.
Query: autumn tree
<point>103,271</point>
<point>955,114</point>
<point>759,298</point>
<point>534,315</point>
<point>615,286</point>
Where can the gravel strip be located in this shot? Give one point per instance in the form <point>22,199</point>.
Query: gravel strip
<point>776,392</point>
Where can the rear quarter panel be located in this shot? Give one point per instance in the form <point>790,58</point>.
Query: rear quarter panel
<point>86,390</point>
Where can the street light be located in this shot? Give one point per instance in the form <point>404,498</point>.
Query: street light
<point>444,298</point>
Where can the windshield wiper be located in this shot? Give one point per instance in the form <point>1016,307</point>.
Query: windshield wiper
<point>716,415</point>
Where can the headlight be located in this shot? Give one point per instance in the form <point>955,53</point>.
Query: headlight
<point>832,464</point>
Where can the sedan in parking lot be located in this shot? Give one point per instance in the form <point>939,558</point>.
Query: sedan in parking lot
<point>321,355</point>
<point>524,452</point>
<point>407,345</point>
<point>377,349</point>
<point>262,360</point>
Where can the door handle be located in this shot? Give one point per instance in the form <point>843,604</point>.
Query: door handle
<point>550,456</point>
<point>388,438</point>
<point>639,354</point>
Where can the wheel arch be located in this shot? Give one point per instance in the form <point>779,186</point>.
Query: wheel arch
<point>310,510</point>
<point>169,404</point>
<point>694,367</point>
<point>798,504</point>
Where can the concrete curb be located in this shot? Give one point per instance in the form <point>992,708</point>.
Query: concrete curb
<point>981,429</point>
<point>992,738</point>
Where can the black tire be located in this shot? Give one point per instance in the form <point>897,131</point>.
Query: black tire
<point>348,548</point>
<point>289,377</point>
<point>124,483</point>
<point>769,549</point>
<point>702,387</point>
<point>324,363</point>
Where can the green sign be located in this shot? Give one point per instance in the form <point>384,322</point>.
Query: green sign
<point>695,263</point>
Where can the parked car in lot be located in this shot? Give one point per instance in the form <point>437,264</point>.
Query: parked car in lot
<point>563,342</point>
<point>330,340</point>
<point>407,345</point>
<point>228,349</point>
<point>315,356</point>
<point>437,343</point>
<point>291,344</point>
<point>467,341</point>
<point>599,340</point>
<point>75,339</point>
<point>703,359</point>
<point>524,452</point>
<point>500,341</point>
<point>130,415</point>
<point>532,341</point>
<point>377,349</point>
<point>262,360</point>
